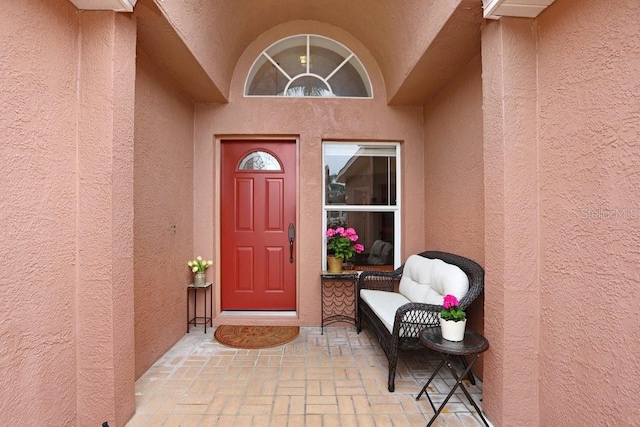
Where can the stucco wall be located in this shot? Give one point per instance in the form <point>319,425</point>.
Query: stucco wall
<point>589,127</point>
<point>163,199</point>
<point>104,221</point>
<point>217,32</point>
<point>511,364</point>
<point>454,174</point>
<point>310,121</point>
<point>38,114</point>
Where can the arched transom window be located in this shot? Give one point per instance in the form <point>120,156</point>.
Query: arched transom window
<point>308,65</point>
<point>259,161</point>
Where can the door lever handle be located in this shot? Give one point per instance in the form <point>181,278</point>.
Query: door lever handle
<point>292,237</point>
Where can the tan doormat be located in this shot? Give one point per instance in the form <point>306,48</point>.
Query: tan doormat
<point>255,337</point>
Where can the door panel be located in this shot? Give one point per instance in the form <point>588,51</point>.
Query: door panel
<point>244,269</point>
<point>274,270</point>
<point>275,203</point>
<point>244,205</point>
<point>257,205</point>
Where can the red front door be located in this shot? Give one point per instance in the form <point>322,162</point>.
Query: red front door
<point>258,269</point>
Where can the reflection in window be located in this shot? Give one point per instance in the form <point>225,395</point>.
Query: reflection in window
<point>376,231</point>
<point>360,182</point>
<point>259,161</point>
<point>308,65</point>
<point>360,174</point>
<point>307,86</point>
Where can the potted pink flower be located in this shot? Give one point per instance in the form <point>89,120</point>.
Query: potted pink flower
<point>341,246</point>
<point>453,319</point>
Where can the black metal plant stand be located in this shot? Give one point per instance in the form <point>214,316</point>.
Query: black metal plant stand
<point>200,320</point>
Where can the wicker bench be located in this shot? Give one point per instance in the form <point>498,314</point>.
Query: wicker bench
<point>397,318</point>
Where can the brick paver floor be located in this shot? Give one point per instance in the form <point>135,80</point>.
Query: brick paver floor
<point>335,379</point>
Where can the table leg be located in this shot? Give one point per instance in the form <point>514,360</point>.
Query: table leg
<point>464,389</point>
<point>188,320</point>
<point>459,383</point>
<point>321,307</point>
<point>424,389</point>
<point>472,379</point>
<point>205,310</point>
<point>195,307</point>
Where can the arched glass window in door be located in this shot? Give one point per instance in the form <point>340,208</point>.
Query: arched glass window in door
<point>308,65</point>
<point>259,161</point>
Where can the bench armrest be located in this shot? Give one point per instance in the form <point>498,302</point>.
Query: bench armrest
<point>413,317</point>
<point>378,280</point>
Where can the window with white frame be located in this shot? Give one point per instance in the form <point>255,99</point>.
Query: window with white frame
<point>308,65</point>
<point>361,182</point>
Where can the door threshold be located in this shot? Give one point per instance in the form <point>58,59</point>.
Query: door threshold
<point>259,313</point>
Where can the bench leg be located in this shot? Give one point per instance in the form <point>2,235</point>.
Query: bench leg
<point>392,377</point>
<point>393,364</point>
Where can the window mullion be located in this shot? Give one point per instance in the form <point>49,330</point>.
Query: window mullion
<point>308,64</point>
<point>339,66</point>
<point>277,66</point>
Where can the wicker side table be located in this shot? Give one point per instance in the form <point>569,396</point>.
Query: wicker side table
<point>472,344</point>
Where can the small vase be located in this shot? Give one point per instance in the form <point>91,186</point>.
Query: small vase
<point>334,264</point>
<point>452,330</point>
<point>200,280</point>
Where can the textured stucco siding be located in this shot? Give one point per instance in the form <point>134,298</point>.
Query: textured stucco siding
<point>510,390</point>
<point>589,131</point>
<point>454,174</point>
<point>164,181</point>
<point>37,212</point>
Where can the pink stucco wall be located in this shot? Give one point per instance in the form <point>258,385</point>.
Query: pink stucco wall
<point>38,112</point>
<point>454,175</point>
<point>589,131</point>
<point>66,203</point>
<point>309,121</point>
<point>511,222</point>
<point>561,179</point>
<point>407,42</point>
<point>104,218</point>
<point>163,228</point>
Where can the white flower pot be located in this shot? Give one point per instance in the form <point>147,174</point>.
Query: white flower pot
<point>453,331</point>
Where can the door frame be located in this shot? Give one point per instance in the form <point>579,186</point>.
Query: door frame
<point>217,172</point>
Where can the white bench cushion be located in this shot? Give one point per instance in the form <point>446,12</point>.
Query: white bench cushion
<point>384,304</point>
<point>428,280</point>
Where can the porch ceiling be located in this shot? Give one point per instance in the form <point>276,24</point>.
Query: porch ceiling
<point>418,44</point>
